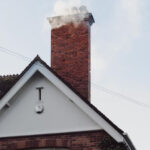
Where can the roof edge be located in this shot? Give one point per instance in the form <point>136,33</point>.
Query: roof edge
<point>128,141</point>
<point>121,132</point>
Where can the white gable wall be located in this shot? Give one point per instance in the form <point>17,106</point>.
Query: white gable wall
<point>60,114</point>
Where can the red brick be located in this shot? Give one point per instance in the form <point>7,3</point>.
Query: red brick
<point>70,55</point>
<point>73,141</point>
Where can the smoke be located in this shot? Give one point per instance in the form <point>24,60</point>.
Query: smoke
<point>66,11</point>
<point>66,7</point>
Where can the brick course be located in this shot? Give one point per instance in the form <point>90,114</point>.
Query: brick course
<point>92,140</point>
<point>70,55</point>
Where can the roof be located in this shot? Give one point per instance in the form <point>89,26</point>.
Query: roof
<point>6,82</point>
<point>9,81</point>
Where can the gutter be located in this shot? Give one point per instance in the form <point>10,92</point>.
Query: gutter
<point>128,142</point>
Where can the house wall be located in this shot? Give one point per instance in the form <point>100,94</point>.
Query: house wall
<point>60,114</point>
<point>94,140</point>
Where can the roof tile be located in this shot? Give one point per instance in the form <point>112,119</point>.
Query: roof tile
<point>6,82</point>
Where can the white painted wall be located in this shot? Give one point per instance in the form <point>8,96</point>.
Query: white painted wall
<point>60,114</point>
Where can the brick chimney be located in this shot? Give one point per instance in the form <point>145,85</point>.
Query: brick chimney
<point>70,50</point>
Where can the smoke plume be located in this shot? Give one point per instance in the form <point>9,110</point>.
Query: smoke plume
<point>66,11</point>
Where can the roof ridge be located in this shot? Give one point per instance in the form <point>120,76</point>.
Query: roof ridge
<point>9,75</point>
<point>37,58</point>
<point>76,92</point>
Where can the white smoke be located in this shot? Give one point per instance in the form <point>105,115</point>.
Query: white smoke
<point>68,11</point>
<point>66,7</point>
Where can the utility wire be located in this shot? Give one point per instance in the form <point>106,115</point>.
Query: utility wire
<point>11,52</point>
<point>106,90</point>
<point>127,98</point>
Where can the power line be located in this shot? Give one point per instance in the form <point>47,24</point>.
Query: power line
<point>11,52</point>
<point>127,98</point>
<point>106,90</point>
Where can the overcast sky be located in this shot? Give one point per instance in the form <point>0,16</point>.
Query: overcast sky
<point>120,53</point>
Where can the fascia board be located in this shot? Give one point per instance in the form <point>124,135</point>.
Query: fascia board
<point>18,85</point>
<point>37,66</point>
<point>80,103</point>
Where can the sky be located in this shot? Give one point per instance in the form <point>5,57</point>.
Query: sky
<point>120,53</point>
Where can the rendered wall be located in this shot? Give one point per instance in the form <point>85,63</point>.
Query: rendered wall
<point>60,114</point>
